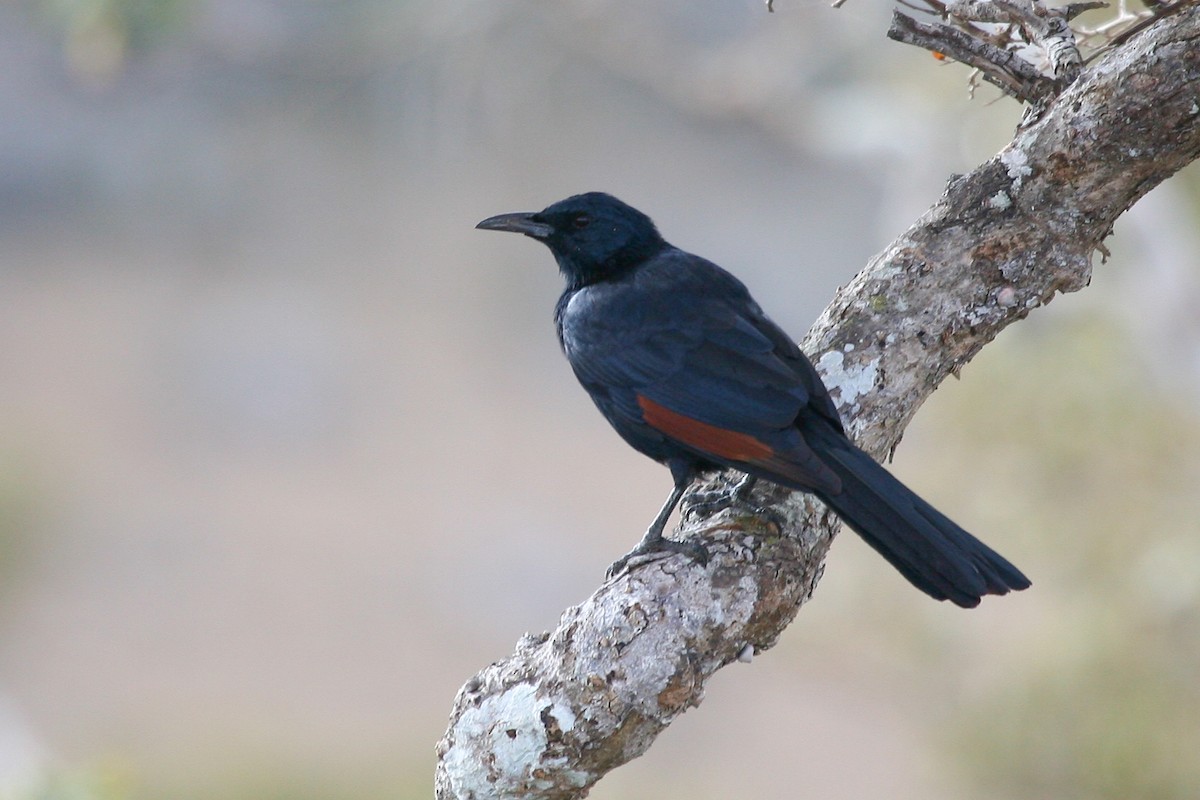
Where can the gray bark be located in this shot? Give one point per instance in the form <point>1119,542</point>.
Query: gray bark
<point>570,705</point>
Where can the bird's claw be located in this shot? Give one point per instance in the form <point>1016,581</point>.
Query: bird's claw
<point>714,500</point>
<point>738,496</point>
<point>709,503</point>
<point>656,548</point>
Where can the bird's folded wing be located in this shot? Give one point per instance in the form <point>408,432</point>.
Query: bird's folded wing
<point>722,388</point>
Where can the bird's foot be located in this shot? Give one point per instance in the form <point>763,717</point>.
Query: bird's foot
<point>656,547</point>
<point>715,500</point>
<point>738,496</point>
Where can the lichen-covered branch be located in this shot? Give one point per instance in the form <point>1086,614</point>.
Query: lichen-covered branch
<point>1026,48</point>
<point>1000,39</point>
<point>1000,67</point>
<point>568,706</point>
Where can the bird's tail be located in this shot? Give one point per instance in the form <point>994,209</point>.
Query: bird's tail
<point>936,555</point>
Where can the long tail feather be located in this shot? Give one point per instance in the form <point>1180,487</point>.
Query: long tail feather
<point>936,555</point>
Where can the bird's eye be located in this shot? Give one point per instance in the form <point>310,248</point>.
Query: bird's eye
<point>581,221</point>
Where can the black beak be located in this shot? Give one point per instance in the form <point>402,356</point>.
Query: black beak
<point>522,222</point>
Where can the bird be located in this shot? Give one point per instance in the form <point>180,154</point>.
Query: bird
<point>689,370</point>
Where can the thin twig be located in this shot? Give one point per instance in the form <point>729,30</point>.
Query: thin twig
<point>1000,67</point>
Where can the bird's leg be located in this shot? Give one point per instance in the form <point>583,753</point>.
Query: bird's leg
<point>654,541</point>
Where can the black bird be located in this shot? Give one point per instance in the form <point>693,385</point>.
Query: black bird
<point>689,370</point>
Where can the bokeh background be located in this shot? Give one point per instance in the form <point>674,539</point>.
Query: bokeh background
<point>287,450</point>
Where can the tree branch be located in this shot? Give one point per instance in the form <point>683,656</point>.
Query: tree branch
<point>999,67</point>
<point>570,705</point>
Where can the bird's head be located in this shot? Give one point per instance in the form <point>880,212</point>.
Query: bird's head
<point>593,236</point>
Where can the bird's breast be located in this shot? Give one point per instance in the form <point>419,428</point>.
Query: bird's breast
<point>586,318</point>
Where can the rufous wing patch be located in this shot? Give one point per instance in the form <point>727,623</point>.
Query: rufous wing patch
<point>801,469</point>
<point>706,438</point>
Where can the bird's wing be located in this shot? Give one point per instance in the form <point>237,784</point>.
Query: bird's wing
<point>713,374</point>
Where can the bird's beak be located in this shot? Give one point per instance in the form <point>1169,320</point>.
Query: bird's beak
<point>522,222</point>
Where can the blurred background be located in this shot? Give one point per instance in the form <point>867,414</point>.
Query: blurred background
<point>288,451</point>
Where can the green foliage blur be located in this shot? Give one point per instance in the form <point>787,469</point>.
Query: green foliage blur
<point>99,35</point>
